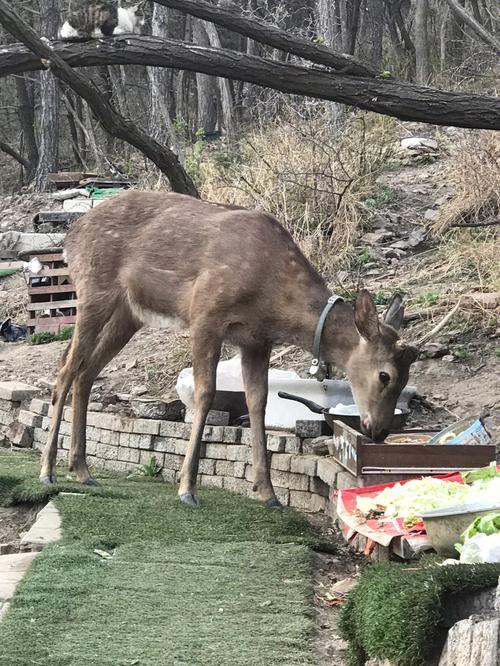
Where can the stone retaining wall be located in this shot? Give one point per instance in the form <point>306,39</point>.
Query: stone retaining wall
<point>125,444</point>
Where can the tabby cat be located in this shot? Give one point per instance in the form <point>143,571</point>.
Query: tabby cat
<point>102,20</point>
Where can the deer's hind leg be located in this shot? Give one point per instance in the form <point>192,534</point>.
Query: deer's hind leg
<point>112,337</point>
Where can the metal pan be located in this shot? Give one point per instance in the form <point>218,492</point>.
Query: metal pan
<point>398,421</point>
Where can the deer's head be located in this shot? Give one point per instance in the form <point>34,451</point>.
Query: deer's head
<point>379,363</point>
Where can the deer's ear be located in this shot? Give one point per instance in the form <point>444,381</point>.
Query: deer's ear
<point>395,312</point>
<point>365,315</point>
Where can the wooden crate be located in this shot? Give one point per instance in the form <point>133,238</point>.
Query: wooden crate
<point>53,302</point>
<point>376,462</point>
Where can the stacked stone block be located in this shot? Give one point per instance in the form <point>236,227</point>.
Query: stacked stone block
<point>124,444</point>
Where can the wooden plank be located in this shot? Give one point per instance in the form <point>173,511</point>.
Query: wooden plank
<point>51,305</point>
<point>11,264</point>
<point>49,257</point>
<point>418,455</point>
<point>52,289</point>
<point>58,321</point>
<point>50,272</point>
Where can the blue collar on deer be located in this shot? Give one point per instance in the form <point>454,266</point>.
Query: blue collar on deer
<point>319,369</point>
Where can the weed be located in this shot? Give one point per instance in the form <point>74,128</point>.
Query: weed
<point>151,468</point>
<point>385,196</point>
<point>193,161</point>
<point>497,352</point>
<point>44,337</point>
<point>429,298</point>
<point>461,353</point>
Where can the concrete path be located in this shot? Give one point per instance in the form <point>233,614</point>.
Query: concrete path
<point>46,529</point>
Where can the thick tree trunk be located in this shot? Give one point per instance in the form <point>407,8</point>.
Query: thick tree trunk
<point>48,131</point>
<point>375,28</point>
<point>422,68</point>
<point>226,97</point>
<point>27,122</point>
<point>161,127</point>
<point>206,86</point>
<point>394,98</point>
<point>115,124</point>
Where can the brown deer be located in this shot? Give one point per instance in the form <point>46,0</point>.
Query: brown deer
<point>225,273</point>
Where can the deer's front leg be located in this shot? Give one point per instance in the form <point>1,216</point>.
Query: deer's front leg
<point>255,367</point>
<point>206,354</point>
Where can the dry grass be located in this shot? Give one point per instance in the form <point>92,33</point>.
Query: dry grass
<point>473,169</point>
<point>312,177</point>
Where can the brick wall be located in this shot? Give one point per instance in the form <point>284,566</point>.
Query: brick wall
<point>125,444</point>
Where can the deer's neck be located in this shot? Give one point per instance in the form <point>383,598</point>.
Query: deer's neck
<point>339,336</point>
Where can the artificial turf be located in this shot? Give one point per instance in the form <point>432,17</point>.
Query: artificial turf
<point>227,584</point>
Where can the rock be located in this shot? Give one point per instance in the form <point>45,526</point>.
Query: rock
<point>417,237</point>
<point>96,407</point>
<point>418,143</point>
<point>317,446</point>
<point>378,236</point>
<point>431,215</point>
<point>443,199</point>
<point>129,365</point>
<point>448,358</point>
<point>139,390</point>
<point>395,218</point>
<point>13,242</point>
<point>214,417</point>
<point>435,350</point>
<point>123,397</point>
<point>149,408</point>
<point>400,245</point>
<point>20,435</point>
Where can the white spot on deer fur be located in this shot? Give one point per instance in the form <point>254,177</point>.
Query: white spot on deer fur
<point>156,319</point>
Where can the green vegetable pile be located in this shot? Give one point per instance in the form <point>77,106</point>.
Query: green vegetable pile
<point>394,612</point>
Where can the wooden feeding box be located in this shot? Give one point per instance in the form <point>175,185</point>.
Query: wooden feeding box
<point>65,179</point>
<point>59,220</point>
<point>52,297</point>
<point>382,462</point>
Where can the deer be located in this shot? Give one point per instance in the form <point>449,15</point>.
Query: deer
<point>227,274</point>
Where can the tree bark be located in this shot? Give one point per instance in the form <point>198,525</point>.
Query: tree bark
<point>206,87</point>
<point>48,127</point>
<point>115,124</point>
<point>27,122</point>
<point>229,17</point>
<point>226,97</point>
<point>476,27</point>
<point>390,97</point>
<point>422,69</point>
<point>161,127</point>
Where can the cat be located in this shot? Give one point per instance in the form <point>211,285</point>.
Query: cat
<point>102,20</point>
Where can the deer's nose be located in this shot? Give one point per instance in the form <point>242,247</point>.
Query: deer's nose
<point>366,423</point>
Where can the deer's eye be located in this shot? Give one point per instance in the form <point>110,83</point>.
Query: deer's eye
<point>384,378</point>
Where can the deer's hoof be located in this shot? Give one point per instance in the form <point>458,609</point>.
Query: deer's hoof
<point>274,503</point>
<point>90,482</point>
<point>48,480</point>
<point>190,500</point>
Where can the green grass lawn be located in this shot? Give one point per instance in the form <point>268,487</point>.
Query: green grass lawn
<point>227,584</point>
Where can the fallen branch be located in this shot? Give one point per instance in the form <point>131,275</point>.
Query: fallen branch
<point>230,17</point>
<point>393,98</point>
<point>473,225</point>
<point>440,325</point>
<point>112,121</point>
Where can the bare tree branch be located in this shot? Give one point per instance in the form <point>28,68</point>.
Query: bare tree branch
<point>112,121</point>
<point>393,98</point>
<point>8,150</point>
<point>230,17</point>
<point>480,31</point>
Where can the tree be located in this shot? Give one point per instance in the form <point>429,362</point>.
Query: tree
<point>48,133</point>
<point>115,124</point>
<point>421,42</point>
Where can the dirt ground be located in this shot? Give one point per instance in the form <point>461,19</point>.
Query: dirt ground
<point>14,522</point>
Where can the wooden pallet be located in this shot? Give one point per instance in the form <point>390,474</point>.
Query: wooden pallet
<point>53,302</point>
